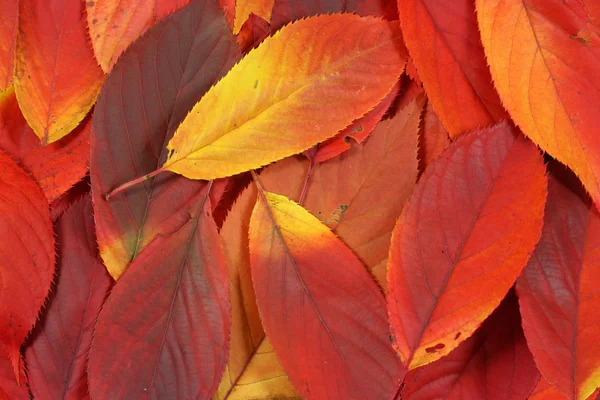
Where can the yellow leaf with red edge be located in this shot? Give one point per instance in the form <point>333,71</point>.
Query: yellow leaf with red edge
<point>56,78</point>
<point>298,88</point>
<point>544,56</point>
<point>243,9</point>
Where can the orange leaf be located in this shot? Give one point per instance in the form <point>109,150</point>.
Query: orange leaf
<point>462,240</point>
<point>442,40</point>
<point>8,33</point>
<point>433,138</point>
<point>115,24</point>
<point>322,311</point>
<point>544,57</point>
<point>283,97</point>
<point>558,290</point>
<point>56,77</point>
<point>243,9</point>
<point>545,391</point>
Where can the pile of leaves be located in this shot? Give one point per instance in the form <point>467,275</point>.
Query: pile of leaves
<point>282,199</point>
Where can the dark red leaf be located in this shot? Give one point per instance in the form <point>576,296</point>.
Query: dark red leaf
<point>56,355</point>
<point>254,30</point>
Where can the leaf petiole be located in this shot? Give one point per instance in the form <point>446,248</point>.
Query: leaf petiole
<point>133,182</point>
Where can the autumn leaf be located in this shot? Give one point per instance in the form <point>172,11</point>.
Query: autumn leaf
<point>494,363</point>
<point>244,8</point>
<point>9,389</point>
<point>462,240</point>
<point>544,61</point>
<point>56,354</point>
<point>433,138</point>
<point>320,308</point>
<point>276,103</point>
<point>26,257</point>
<point>57,79</point>
<point>545,391</point>
<point>57,166</point>
<point>8,33</point>
<point>167,319</point>
<point>140,106</point>
<point>558,290</point>
<point>115,24</point>
<point>254,31</point>
<point>443,42</point>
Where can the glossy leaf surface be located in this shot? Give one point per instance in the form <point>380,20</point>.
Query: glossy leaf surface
<point>167,319</point>
<point>558,290</point>
<point>276,102</point>
<point>462,240</point>
<point>443,42</point>
<point>57,166</point>
<point>148,93</point>
<point>8,33</point>
<point>26,256</point>
<point>57,352</point>
<point>57,79</point>
<point>324,314</point>
<point>115,24</point>
<point>244,8</point>
<point>544,55</point>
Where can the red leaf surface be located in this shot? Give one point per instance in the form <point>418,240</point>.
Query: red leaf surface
<point>228,8</point>
<point>57,166</point>
<point>462,240</point>
<point>545,391</point>
<point>558,290</point>
<point>115,24</point>
<point>143,100</point>
<point>26,256</point>
<point>286,11</point>
<point>494,363</point>
<point>164,329</point>
<point>254,30</point>
<point>8,33</point>
<point>56,355</point>
<point>433,138</point>
<point>9,390</point>
<point>63,203</point>
<point>57,79</point>
<point>322,311</point>
<point>443,42</point>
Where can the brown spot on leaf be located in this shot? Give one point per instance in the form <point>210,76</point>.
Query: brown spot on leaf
<point>435,348</point>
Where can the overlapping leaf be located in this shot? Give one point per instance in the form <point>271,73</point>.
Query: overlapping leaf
<point>9,389</point>
<point>26,256</point>
<point>145,97</point>
<point>545,391</point>
<point>244,8</point>
<point>462,240</point>
<point>57,166</point>
<point>57,79</point>
<point>443,42</point>
<point>433,138</point>
<point>56,355</point>
<point>115,24</point>
<point>323,312</point>
<point>254,31</point>
<point>8,33</point>
<point>167,319</point>
<point>544,55</point>
<point>494,363</point>
<point>558,291</point>
<point>284,97</point>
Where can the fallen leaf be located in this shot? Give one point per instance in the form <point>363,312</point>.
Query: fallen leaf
<point>544,55</point>
<point>462,239</point>
<point>494,363</point>
<point>558,290</point>
<point>433,138</point>
<point>9,390</point>
<point>115,24</point>
<point>443,42</point>
<point>8,31</point>
<point>56,79</point>
<point>323,312</point>
<point>244,8</point>
<point>57,166</point>
<point>56,354</point>
<point>228,8</point>
<point>141,104</point>
<point>276,103</point>
<point>164,329</point>
<point>254,31</point>
<point>26,257</point>
<point>545,391</point>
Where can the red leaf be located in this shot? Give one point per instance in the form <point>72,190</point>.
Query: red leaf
<point>462,240</point>
<point>56,355</point>
<point>163,331</point>
<point>9,390</point>
<point>558,290</point>
<point>494,363</point>
<point>8,33</point>
<point>443,42</point>
<point>322,311</point>
<point>254,30</point>
<point>545,391</point>
<point>57,166</point>
<point>286,11</point>
<point>26,256</point>
<point>433,138</point>
<point>143,101</point>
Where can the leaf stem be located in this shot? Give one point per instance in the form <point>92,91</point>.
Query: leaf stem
<point>134,182</point>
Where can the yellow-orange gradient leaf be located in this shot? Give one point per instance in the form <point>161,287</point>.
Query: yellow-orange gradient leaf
<point>544,56</point>
<point>243,9</point>
<point>298,88</point>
